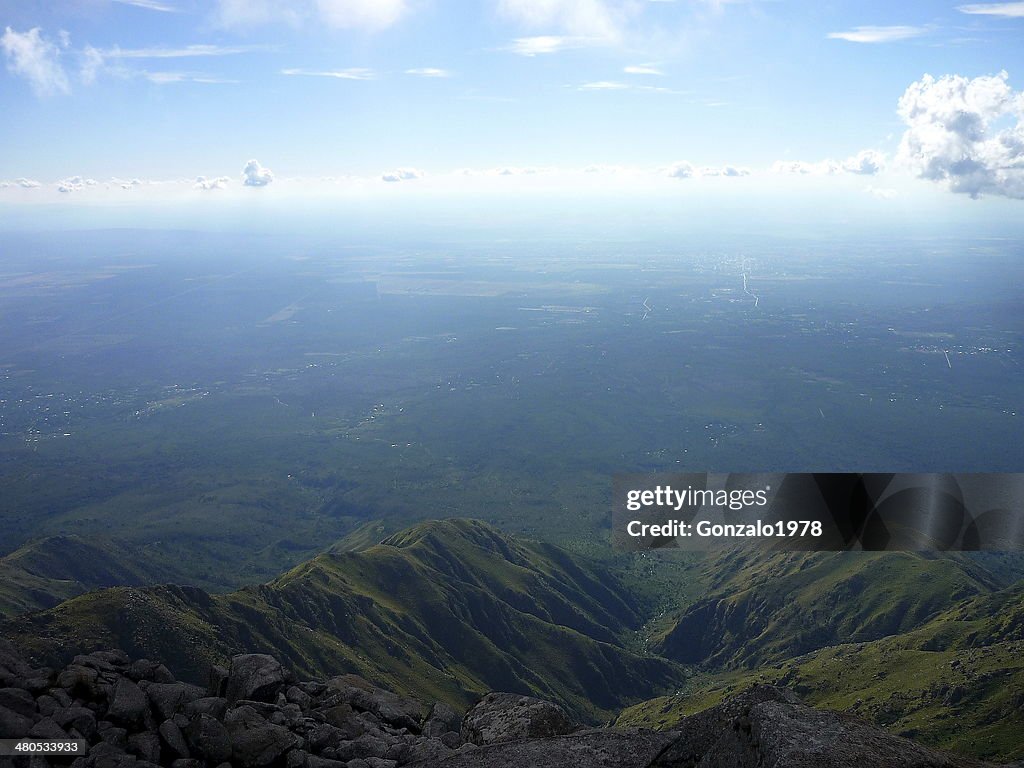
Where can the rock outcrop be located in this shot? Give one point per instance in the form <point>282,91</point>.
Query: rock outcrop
<point>500,717</point>
<point>133,714</point>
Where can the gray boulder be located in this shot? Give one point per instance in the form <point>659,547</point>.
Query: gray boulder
<point>312,761</point>
<point>777,734</point>
<point>215,706</point>
<point>47,729</point>
<point>13,725</point>
<point>168,698</point>
<point>129,705</point>
<point>18,700</point>
<point>113,735</point>
<point>598,748</point>
<point>81,719</point>
<point>173,739</point>
<point>145,745</point>
<point>345,721</point>
<point>500,717</point>
<point>254,676</point>
<point>79,681</point>
<point>262,746</point>
<point>104,755</point>
<point>699,732</point>
<point>427,751</point>
<point>209,738</point>
<point>441,719</point>
<point>399,711</point>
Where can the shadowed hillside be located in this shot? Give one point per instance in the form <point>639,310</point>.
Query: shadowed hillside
<point>953,681</point>
<point>46,571</point>
<point>760,609</point>
<point>444,610</point>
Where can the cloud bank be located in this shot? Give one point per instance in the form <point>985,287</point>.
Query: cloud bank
<point>221,182</point>
<point>955,136</point>
<point>685,170</point>
<point>867,162</point>
<point>402,174</point>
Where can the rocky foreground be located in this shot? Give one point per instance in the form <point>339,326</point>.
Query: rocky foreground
<point>134,714</point>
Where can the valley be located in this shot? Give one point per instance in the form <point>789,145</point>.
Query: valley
<point>398,463</point>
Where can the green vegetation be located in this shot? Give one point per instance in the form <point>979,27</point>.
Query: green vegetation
<point>956,682</point>
<point>760,609</point>
<point>46,571</point>
<point>445,610</point>
<point>216,411</point>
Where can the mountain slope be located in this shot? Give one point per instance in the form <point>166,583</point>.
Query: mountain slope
<point>956,682</point>
<point>764,608</point>
<point>46,571</point>
<point>445,610</point>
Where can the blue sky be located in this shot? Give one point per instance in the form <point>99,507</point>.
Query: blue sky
<point>103,97</point>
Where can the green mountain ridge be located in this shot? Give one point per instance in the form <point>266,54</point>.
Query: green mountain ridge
<point>49,570</point>
<point>763,608</point>
<point>956,682</point>
<point>930,646</point>
<point>445,610</point>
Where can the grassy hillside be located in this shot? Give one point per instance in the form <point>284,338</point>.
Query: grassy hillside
<point>761,609</point>
<point>46,571</point>
<point>957,682</point>
<point>444,610</point>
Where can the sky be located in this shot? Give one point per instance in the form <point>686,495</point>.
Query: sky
<point>180,100</point>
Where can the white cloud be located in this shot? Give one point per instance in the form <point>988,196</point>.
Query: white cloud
<point>685,170</point>
<point>164,78</point>
<point>602,168</point>
<point>642,69</point>
<point>181,52</point>
<point>95,61</point>
<point>371,15</point>
<point>597,19</point>
<point>428,72</point>
<point>1006,10</point>
<point>615,85</point>
<point>604,85</point>
<point>801,167</point>
<point>878,34</point>
<point>543,44</point>
<point>403,174</point>
<point>952,134</point>
<point>867,162</point>
<point>366,14</point>
<point>681,170</point>
<point>255,175</point>
<point>221,182</point>
<point>75,183</point>
<point>36,59</point>
<point>149,5</point>
<point>511,170</point>
<point>92,65</point>
<point>352,73</point>
<point>728,171</point>
<point>26,183</point>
